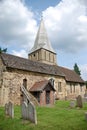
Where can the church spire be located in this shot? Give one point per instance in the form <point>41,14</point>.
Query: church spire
<point>42,50</point>
<point>42,40</point>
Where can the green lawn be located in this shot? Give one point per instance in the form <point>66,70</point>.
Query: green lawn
<point>59,117</point>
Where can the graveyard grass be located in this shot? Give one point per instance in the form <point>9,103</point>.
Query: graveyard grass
<point>58,117</point>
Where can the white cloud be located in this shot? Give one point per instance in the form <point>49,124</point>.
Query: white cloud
<point>17,24</point>
<point>66,24</point>
<point>21,53</point>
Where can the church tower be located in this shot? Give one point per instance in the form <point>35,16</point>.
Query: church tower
<point>42,50</point>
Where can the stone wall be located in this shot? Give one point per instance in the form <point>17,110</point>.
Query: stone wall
<point>75,89</point>
<point>1,72</point>
<point>62,94</point>
<point>2,68</point>
<point>13,79</point>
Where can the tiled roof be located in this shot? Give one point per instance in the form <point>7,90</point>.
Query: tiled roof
<point>16,62</point>
<point>39,86</point>
<point>71,75</point>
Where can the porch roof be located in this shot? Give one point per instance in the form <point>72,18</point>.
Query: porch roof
<point>40,86</point>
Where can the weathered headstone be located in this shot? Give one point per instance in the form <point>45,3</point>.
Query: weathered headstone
<point>23,110</point>
<point>79,101</point>
<point>9,109</point>
<point>6,109</point>
<point>32,113</point>
<point>72,104</point>
<point>29,112</point>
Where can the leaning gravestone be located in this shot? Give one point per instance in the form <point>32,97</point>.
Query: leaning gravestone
<point>29,112</point>
<point>79,101</point>
<point>9,109</point>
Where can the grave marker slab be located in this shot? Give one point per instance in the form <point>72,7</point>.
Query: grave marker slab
<point>29,112</point>
<point>9,109</point>
<point>79,101</point>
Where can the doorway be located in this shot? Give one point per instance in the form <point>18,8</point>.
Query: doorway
<point>47,97</point>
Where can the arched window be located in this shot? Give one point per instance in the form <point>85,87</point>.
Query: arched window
<point>25,83</point>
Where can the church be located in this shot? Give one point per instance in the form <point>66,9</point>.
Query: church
<point>39,73</point>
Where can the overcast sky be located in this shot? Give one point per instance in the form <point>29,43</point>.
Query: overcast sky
<point>65,21</point>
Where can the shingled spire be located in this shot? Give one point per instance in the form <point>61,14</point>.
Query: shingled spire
<point>42,50</point>
<point>42,40</point>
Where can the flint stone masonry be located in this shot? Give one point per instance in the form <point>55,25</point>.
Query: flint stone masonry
<point>9,109</point>
<point>29,112</point>
<point>79,101</point>
<point>12,81</point>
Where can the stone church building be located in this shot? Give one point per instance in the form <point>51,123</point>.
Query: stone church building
<point>40,74</point>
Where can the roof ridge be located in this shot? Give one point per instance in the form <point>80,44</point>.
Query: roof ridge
<point>41,81</point>
<point>26,59</point>
<point>16,62</point>
<point>66,68</point>
<point>13,55</point>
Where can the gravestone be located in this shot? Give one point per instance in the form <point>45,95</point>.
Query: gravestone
<point>9,109</point>
<point>6,109</point>
<point>72,104</point>
<point>29,112</point>
<point>79,101</point>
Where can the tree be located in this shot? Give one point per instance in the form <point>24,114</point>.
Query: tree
<point>3,50</point>
<point>76,69</point>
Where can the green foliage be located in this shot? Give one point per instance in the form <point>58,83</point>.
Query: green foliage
<point>58,117</point>
<point>3,50</point>
<point>76,69</point>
